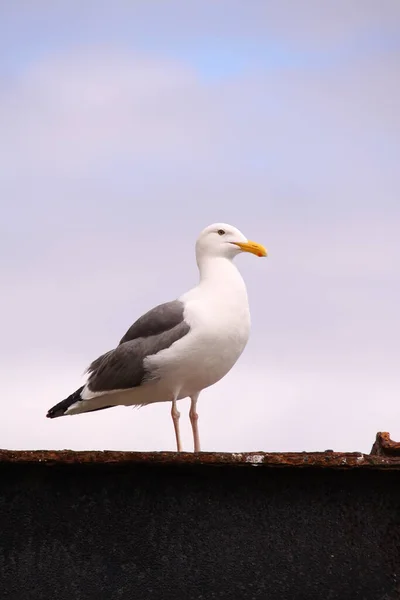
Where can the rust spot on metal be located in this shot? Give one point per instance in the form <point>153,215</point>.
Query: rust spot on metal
<point>384,446</point>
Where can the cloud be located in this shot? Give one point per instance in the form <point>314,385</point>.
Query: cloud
<point>99,106</point>
<point>73,114</point>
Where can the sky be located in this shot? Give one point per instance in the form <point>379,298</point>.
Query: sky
<point>126,128</point>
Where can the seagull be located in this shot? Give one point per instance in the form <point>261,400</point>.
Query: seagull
<point>181,347</point>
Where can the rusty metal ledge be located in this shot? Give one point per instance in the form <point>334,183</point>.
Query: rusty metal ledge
<point>385,454</point>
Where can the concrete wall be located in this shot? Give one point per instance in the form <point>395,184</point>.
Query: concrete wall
<point>197,531</point>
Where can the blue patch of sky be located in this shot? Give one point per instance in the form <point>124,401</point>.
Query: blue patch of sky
<point>30,37</point>
<point>213,57</point>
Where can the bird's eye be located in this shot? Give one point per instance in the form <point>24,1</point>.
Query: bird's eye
<point>221,232</point>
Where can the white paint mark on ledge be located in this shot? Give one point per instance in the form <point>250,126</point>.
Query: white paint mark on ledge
<point>237,456</point>
<point>255,459</point>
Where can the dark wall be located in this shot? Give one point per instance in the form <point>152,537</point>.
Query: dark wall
<point>171,532</point>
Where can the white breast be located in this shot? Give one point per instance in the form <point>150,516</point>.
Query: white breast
<point>219,319</point>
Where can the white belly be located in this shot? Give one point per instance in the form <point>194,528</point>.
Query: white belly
<point>211,361</point>
<point>207,353</point>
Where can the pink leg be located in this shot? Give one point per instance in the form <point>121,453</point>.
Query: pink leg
<point>194,417</point>
<point>175,414</point>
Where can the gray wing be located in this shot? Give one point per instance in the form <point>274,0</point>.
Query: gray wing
<point>158,320</point>
<point>123,368</point>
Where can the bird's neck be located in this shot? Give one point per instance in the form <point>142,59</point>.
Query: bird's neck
<point>221,273</point>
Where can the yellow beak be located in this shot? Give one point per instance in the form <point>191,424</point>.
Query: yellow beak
<point>252,247</point>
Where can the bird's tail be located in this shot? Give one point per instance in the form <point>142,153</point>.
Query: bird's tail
<point>82,406</point>
<point>59,409</point>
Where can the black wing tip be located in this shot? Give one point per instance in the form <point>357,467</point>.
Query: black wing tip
<point>59,410</point>
<point>53,413</point>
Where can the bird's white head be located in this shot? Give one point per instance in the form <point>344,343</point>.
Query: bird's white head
<point>223,240</point>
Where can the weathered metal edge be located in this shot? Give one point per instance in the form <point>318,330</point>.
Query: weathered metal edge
<point>385,446</point>
<point>326,460</point>
<point>385,454</point>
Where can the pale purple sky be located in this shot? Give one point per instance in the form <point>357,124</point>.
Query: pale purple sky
<point>126,128</point>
